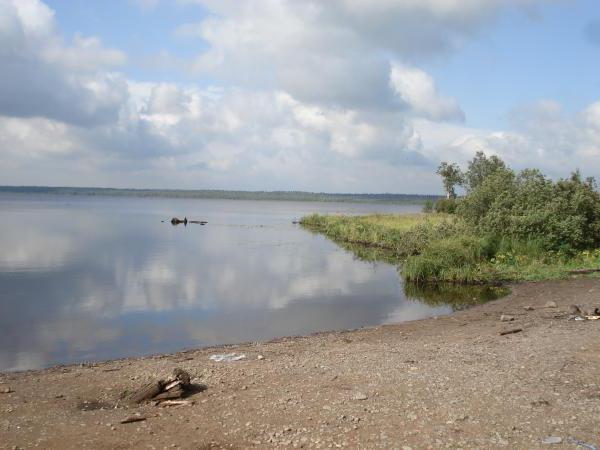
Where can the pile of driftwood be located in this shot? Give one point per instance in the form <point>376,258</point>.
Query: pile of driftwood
<point>167,391</point>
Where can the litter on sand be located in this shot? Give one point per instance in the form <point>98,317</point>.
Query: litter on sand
<point>227,357</point>
<point>581,443</point>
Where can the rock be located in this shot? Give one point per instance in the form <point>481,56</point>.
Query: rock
<point>528,308</point>
<point>506,318</point>
<point>550,304</point>
<point>359,396</point>
<point>176,221</point>
<point>5,390</point>
<point>260,357</point>
<point>552,440</point>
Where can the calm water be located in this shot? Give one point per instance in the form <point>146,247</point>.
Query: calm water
<point>85,278</point>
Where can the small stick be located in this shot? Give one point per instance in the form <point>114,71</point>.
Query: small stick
<point>175,402</point>
<point>133,419</point>
<point>514,330</point>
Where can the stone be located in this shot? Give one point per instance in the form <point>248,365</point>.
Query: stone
<point>528,308</point>
<point>506,318</point>
<point>550,304</point>
<point>552,440</point>
<point>260,357</point>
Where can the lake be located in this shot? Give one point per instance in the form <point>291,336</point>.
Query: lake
<point>86,278</point>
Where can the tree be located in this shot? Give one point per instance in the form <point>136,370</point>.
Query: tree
<point>481,167</point>
<point>452,176</point>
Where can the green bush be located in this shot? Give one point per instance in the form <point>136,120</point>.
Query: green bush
<point>446,205</point>
<point>563,215</point>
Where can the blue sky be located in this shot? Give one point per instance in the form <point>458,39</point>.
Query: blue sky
<point>280,94</point>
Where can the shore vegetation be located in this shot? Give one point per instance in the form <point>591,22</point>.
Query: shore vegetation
<point>508,226</point>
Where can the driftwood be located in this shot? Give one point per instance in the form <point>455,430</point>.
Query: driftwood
<point>148,391</point>
<point>512,331</point>
<point>177,386</point>
<point>176,403</point>
<point>133,419</point>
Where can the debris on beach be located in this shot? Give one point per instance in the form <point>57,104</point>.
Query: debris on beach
<point>227,357</point>
<point>580,443</point>
<point>512,331</point>
<point>133,419</point>
<point>175,387</point>
<point>552,440</point>
<point>586,312</point>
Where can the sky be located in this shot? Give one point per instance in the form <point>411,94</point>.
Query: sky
<point>335,96</point>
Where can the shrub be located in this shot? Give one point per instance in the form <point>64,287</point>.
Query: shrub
<point>563,215</point>
<point>446,205</point>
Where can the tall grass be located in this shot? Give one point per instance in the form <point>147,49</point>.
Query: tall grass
<point>404,235</point>
<point>441,248</point>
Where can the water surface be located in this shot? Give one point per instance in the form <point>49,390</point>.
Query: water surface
<point>85,278</point>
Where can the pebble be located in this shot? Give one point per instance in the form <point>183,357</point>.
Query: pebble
<point>506,318</point>
<point>260,357</point>
<point>5,390</point>
<point>552,440</point>
<point>528,308</point>
<point>550,305</point>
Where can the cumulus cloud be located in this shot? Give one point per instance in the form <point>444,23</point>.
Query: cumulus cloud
<point>42,76</point>
<point>312,95</point>
<point>541,135</point>
<point>417,89</point>
<point>336,51</point>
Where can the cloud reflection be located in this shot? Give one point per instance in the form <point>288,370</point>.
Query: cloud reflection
<point>113,281</point>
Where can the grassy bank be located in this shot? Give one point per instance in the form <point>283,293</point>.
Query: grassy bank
<point>442,248</point>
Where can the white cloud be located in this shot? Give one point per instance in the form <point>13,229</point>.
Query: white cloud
<point>42,76</point>
<point>417,89</point>
<point>320,96</point>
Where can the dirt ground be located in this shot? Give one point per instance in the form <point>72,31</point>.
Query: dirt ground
<point>450,382</point>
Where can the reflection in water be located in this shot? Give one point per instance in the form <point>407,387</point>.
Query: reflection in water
<point>89,279</point>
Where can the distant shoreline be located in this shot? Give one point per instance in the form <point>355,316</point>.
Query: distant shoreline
<point>224,194</point>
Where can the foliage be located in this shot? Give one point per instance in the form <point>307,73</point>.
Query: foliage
<point>508,226</point>
<point>480,168</point>
<point>446,205</point>
<point>451,177</point>
<point>564,215</point>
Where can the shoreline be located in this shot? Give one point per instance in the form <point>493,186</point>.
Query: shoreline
<point>451,381</point>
